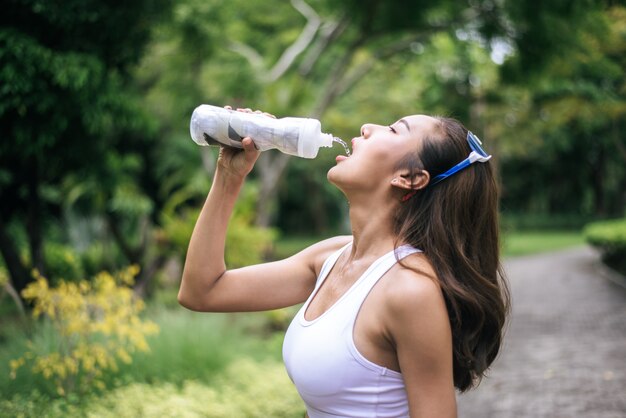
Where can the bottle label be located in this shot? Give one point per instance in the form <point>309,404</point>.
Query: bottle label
<point>233,133</point>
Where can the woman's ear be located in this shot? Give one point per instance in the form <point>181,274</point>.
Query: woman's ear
<point>404,180</point>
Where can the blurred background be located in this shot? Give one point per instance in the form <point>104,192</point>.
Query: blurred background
<point>100,183</point>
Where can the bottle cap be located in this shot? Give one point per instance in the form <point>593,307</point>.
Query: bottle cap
<point>311,139</point>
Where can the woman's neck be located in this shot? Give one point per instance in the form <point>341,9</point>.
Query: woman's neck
<point>372,230</point>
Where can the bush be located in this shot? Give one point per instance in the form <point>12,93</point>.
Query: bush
<point>610,238</point>
<point>245,390</point>
<point>62,263</point>
<point>245,243</point>
<point>511,221</point>
<point>93,324</point>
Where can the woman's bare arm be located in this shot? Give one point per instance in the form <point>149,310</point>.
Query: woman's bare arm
<point>208,286</point>
<point>418,323</point>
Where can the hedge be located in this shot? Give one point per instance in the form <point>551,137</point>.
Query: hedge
<point>610,238</point>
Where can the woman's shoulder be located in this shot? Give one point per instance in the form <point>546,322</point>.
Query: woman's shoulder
<point>414,279</point>
<point>414,295</point>
<point>316,254</point>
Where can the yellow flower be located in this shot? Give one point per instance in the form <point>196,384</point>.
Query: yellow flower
<point>95,323</point>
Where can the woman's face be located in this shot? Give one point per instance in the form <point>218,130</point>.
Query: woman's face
<point>379,149</point>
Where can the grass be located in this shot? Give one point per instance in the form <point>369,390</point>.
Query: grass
<point>532,242</point>
<point>198,346</point>
<point>515,243</point>
<point>189,345</point>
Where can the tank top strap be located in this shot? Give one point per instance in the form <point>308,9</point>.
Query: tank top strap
<point>383,265</point>
<point>329,264</point>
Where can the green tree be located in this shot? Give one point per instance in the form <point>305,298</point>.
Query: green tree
<point>318,58</point>
<point>64,107</point>
<point>566,130</point>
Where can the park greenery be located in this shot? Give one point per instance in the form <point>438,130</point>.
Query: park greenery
<point>98,172</point>
<point>610,238</point>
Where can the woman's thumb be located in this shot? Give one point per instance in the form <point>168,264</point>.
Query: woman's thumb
<point>250,149</point>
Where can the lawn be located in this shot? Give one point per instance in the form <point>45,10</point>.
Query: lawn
<point>532,242</point>
<point>514,243</point>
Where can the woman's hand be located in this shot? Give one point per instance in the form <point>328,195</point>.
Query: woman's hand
<point>237,162</point>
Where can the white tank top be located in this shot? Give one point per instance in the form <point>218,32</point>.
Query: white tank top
<point>331,375</point>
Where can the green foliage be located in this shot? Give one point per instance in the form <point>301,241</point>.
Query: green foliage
<point>245,390</point>
<point>245,243</point>
<point>196,346</point>
<point>66,104</point>
<point>62,263</point>
<point>189,346</point>
<point>513,222</point>
<point>564,132</point>
<point>94,325</point>
<point>288,245</point>
<point>610,238</point>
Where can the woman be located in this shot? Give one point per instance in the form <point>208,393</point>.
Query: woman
<point>401,312</point>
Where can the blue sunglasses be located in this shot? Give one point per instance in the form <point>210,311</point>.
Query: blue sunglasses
<point>477,155</point>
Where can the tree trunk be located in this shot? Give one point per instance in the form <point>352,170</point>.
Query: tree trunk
<point>33,220</point>
<point>18,273</point>
<point>271,167</point>
<point>597,182</point>
<point>142,286</point>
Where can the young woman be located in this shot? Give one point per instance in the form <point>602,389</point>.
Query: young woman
<point>395,316</point>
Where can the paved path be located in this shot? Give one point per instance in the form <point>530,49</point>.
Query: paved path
<point>564,353</point>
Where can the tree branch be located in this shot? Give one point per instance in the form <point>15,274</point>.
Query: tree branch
<point>385,52</point>
<point>290,54</point>
<point>329,32</point>
<point>300,44</point>
<point>330,89</point>
<point>249,53</point>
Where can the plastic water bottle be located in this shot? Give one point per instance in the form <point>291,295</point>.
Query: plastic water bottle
<point>302,137</point>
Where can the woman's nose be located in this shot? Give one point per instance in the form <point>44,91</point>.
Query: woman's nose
<point>366,130</point>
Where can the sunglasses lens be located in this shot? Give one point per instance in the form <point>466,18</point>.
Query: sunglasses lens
<point>474,143</point>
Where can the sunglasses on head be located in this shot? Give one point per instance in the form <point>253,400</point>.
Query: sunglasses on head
<point>477,154</point>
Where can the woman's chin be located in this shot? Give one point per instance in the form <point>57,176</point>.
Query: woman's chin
<point>333,175</point>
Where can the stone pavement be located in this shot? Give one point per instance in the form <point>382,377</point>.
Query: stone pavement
<point>564,353</point>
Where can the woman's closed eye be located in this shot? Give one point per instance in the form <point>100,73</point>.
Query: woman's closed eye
<point>391,128</point>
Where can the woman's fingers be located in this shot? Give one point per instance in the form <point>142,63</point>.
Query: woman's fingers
<point>250,149</point>
<point>248,110</point>
<point>249,145</point>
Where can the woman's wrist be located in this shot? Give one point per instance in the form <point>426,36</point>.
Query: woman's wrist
<point>227,179</point>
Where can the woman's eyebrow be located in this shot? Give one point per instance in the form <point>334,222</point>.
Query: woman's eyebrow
<point>405,124</point>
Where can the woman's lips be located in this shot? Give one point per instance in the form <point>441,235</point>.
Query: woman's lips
<point>340,158</point>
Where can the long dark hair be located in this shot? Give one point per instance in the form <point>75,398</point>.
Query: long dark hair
<point>455,223</point>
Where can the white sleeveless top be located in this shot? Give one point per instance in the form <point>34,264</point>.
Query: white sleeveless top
<point>331,375</point>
